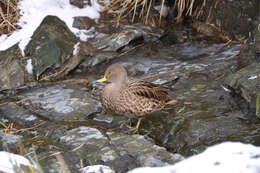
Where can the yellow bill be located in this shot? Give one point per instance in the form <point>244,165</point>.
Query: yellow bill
<point>104,79</point>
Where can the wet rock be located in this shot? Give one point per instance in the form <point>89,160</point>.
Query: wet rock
<point>193,52</point>
<point>120,152</point>
<point>51,47</point>
<point>218,158</point>
<point>9,142</point>
<point>77,136</point>
<point>61,102</point>
<point>61,162</point>
<point>120,40</point>
<point>21,116</point>
<point>144,150</point>
<point>129,33</point>
<point>20,124</point>
<point>245,84</point>
<point>99,57</point>
<point>12,74</point>
<point>205,114</point>
<point>203,129</point>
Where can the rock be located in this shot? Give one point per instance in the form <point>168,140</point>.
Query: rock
<point>245,84</point>
<point>61,102</point>
<point>121,152</point>
<point>83,22</point>
<point>12,74</point>
<point>145,151</point>
<point>129,33</point>
<point>9,141</point>
<point>228,157</point>
<point>120,39</point>
<point>247,55</point>
<point>99,57</point>
<point>77,136</point>
<point>51,47</point>
<point>77,3</point>
<point>22,117</point>
<point>21,124</point>
<point>204,128</point>
<point>257,37</point>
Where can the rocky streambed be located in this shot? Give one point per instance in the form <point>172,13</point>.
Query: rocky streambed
<point>59,117</point>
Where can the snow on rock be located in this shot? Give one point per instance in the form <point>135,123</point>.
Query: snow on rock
<point>8,162</point>
<point>29,66</point>
<point>76,48</point>
<point>97,169</point>
<point>227,157</point>
<point>34,11</point>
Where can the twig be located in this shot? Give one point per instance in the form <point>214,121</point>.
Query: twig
<point>216,51</point>
<point>29,128</point>
<point>133,48</point>
<point>232,56</point>
<point>80,146</point>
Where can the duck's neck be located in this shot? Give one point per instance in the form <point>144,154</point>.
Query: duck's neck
<point>113,90</point>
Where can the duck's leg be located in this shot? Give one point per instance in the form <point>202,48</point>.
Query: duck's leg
<point>128,123</point>
<point>136,128</point>
<point>138,123</point>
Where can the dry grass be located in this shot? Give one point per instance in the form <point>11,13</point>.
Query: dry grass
<point>9,15</point>
<point>131,8</point>
<point>141,9</point>
<point>188,6</point>
<point>9,128</point>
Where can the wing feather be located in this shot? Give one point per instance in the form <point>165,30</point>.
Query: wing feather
<point>147,89</point>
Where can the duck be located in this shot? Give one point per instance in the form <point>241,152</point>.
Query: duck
<point>131,97</point>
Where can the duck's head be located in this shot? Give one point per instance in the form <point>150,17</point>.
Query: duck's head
<point>115,74</point>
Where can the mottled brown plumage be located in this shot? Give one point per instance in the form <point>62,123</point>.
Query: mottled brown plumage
<point>129,96</point>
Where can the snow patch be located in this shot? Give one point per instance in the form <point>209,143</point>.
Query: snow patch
<point>76,48</point>
<point>253,77</point>
<point>97,169</point>
<point>34,11</point>
<point>227,157</point>
<point>29,66</point>
<point>8,161</point>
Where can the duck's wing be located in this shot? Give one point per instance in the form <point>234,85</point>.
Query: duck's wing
<point>146,89</point>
